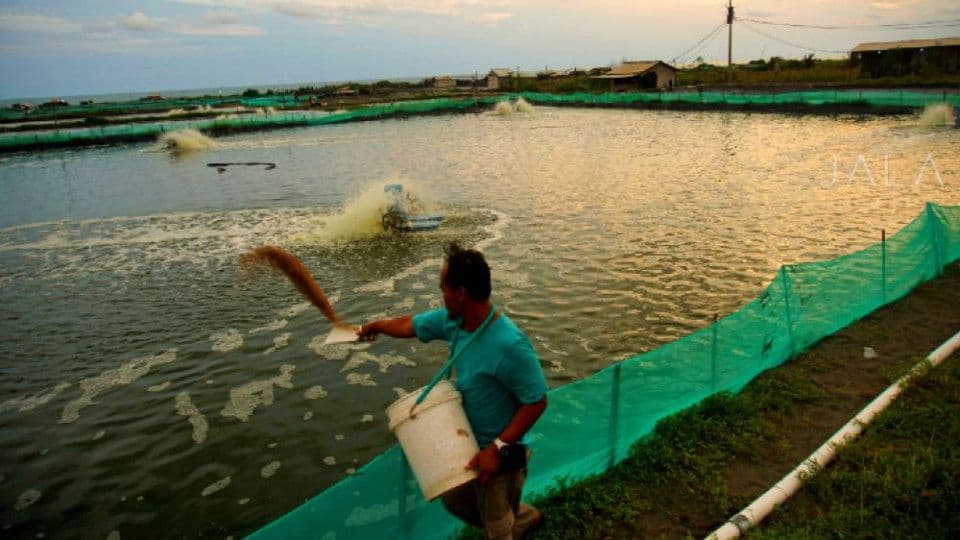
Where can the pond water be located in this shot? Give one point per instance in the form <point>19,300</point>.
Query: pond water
<point>149,387</point>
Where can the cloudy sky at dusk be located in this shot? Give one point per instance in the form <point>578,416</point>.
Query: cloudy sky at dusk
<point>90,47</point>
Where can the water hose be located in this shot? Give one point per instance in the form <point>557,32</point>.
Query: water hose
<point>792,482</point>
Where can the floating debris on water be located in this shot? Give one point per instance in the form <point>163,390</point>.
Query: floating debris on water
<point>384,361</point>
<point>185,407</point>
<point>330,460</point>
<point>27,498</point>
<point>244,399</point>
<point>315,392</point>
<point>272,327</point>
<point>215,487</point>
<point>279,342</point>
<point>226,341</point>
<point>307,415</point>
<point>159,387</point>
<point>120,376</point>
<point>337,351</point>
<point>270,469</point>
<point>28,403</point>
<point>361,379</point>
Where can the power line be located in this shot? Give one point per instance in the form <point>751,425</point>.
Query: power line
<point>708,36</point>
<point>785,42</point>
<point>892,26</point>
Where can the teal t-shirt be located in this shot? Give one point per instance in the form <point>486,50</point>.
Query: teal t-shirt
<point>497,373</point>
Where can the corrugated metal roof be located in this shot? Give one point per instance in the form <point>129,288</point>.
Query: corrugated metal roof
<point>908,44</point>
<point>632,69</point>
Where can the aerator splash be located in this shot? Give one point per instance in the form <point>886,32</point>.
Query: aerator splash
<point>398,217</point>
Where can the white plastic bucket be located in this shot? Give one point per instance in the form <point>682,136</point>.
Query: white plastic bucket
<point>436,438</point>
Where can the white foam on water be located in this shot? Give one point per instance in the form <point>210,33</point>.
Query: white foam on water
<point>366,418</point>
<point>27,498</point>
<point>315,392</point>
<point>123,375</point>
<point>226,340</point>
<point>28,403</point>
<point>297,309</point>
<point>418,286</point>
<point>330,460</point>
<point>159,387</point>
<point>243,501</point>
<point>307,415</point>
<point>405,305</point>
<point>336,351</point>
<point>185,407</point>
<point>114,535</point>
<point>400,391</point>
<point>584,342</point>
<point>272,445</point>
<point>360,379</point>
<point>387,286</point>
<point>245,399</point>
<point>350,470</point>
<point>215,487</point>
<point>279,342</point>
<point>270,327</point>
<point>339,437</point>
<point>270,469</point>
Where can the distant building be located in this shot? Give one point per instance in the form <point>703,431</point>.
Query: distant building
<point>345,91</point>
<point>444,82</point>
<point>896,58</point>
<point>499,78</point>
<point>54,103</point>
<point>640,74</point>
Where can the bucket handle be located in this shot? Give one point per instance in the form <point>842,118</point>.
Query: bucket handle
<point>445,370</point>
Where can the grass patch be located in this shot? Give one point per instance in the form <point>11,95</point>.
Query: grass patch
<point>900,480</point>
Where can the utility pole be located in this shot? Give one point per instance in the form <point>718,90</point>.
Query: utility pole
<point>730,40</point>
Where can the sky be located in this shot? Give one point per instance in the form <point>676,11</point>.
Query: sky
<point>58,48</point>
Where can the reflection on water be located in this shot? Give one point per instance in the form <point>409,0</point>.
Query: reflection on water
<point>145,386</point>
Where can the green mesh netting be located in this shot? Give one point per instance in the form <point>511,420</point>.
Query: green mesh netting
<point>139,132</point>
<point>590,424</point>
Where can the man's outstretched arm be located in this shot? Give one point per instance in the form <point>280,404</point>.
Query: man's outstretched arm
<point>401,327</point>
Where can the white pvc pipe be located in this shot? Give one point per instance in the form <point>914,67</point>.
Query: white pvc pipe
<point>791,483</point>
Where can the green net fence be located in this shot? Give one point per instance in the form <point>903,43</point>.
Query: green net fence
<point>139,132</point>
<point>590,424</point>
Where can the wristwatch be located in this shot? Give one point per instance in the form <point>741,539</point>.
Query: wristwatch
<point>500,444</point>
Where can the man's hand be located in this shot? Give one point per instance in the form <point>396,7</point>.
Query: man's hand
<point>369,331</point>
<point>486,462</point>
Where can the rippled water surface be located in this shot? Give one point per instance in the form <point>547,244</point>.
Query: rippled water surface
<point>147,387</point>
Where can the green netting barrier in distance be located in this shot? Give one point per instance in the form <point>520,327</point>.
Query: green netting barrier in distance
<point>139,132</point>
<point>591,423</point>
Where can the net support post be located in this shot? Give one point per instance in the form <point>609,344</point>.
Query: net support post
<point>883,265</point>
<point>714,328</point>
<point>786,309</point>
<point>614,414</point>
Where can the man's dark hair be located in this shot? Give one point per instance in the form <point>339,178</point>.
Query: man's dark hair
<point>468,269</point>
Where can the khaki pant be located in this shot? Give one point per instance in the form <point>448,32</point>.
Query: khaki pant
<point>495,508</point>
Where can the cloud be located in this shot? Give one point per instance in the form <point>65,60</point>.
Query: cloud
<point>490,18</point>
<point>15,22</point>
<point>220,29</point>
<point>221,16</point>
<point>139,21</point>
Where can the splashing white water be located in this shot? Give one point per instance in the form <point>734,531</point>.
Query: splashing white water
<point>184,140</point>
<point>937,115</point>
<point>523,106</point>
<point>503,108</point>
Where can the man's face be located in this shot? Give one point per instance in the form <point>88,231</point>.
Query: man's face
<point>452,296</point>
